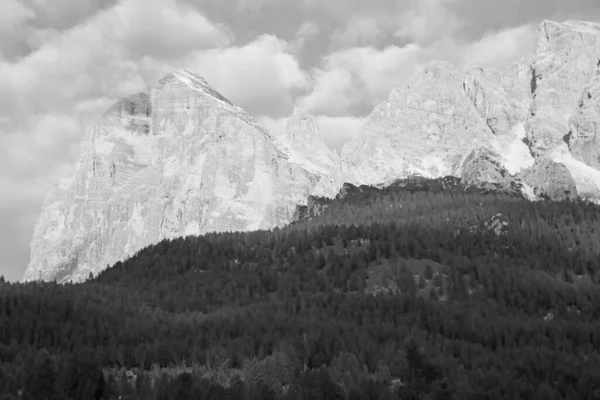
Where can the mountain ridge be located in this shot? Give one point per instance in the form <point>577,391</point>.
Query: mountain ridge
<point>184,160</point>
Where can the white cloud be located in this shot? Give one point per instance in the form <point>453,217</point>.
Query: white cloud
<point>501,48</point>
<point>336,131</point>
<point>356,79</point>
<point>14,13</point>
<point>263,76</point>
<point>426,21</point>
<point>307,29</point>
<point>359,31</point>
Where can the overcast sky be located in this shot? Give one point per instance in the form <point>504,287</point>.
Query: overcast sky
<point>63,62</point>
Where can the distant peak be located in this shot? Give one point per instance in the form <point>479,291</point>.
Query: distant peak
<point>194,81</point>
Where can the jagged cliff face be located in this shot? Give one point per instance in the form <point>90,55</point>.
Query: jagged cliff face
<point>564,72</point>
<point>180,161</point>
<point>566,61</point>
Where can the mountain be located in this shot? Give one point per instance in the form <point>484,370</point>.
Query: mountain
<point>180,161</point>
<point>183,160</point>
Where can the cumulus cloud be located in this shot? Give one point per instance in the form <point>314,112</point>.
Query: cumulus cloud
<point>13,17</point>
<point>337,131</point>
<point>426,21</point>
<point>14,13</point>
<point>500,48</point>
<point>263,76</point>
<point>352,81</point>
<point>359,31</point>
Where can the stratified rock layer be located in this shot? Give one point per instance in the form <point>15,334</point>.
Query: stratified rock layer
<point>181,161</point>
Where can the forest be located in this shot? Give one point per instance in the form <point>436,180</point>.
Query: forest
<point>426,290</point>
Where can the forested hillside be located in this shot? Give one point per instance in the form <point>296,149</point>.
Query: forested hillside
<point>416,291</point>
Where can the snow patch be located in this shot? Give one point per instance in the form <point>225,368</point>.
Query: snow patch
<point>518,156</point>
<point>527,191</point>
<point>136,222</point>
<point>192,228</point>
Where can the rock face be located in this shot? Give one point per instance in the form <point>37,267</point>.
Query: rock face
<point>425,128</point>
<point>566,60</point>
<point>483,168</point>
<point>562,110</point>
<point>584,138</point>
<point>180,161</point>
<point>550,179</point>
<point>306,148</point>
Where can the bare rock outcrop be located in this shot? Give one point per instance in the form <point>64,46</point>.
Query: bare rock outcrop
<point>549,179</point>
<point>482,167</point>
<point>584,137</point>
<point>566,60</point>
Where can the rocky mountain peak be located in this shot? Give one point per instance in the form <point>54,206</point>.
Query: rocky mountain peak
<point>193,81</point>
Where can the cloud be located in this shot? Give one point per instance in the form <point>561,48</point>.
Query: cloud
<point>503,47</point>
<point>13,14</point>
<point>307,29</point>
<point>479,17</point>
<point>337,131</point>
<point>352,81</point>
<point>426,21</point>
<point>13,17</point>
<point>262,76</point>
<point>359,31</point>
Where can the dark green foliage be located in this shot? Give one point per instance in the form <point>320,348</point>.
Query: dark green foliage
<point>506,316</point>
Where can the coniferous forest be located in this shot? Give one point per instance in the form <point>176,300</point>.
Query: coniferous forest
<point>415,291</point>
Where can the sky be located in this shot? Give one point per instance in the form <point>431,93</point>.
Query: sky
<point>64,62</point>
